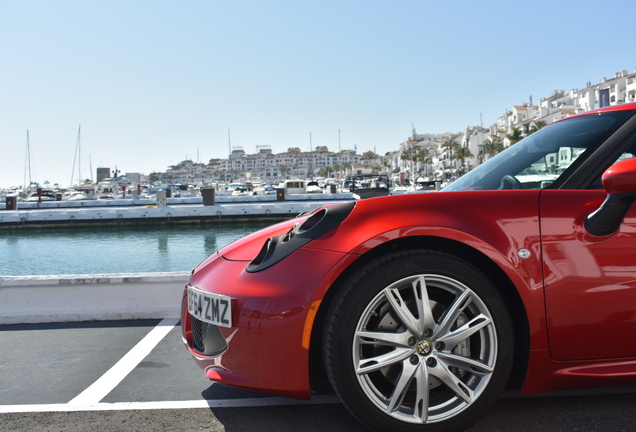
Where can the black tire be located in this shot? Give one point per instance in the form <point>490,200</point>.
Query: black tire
<point>429,336</point>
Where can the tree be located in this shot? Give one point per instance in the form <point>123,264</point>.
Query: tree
<point>462,154</point>
<point>369,155</point>
<point>376,169</point>
<point>409,155</point>
<point>426,162</point>
<point>490,148</point>
<point>284,169</point>
<point>414,154</point>
<point>536,126</point>
<point>451,146</point>
<point>324,172</point>
<point>386,165</point>
<point>515,136</point>
<point>153,177</point>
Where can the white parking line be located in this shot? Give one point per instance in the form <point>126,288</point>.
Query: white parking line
<point>89,399</point>
<point>111,379</point>
<point>123,406</point>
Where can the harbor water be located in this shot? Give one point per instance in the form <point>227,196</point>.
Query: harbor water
<point>104,250</point>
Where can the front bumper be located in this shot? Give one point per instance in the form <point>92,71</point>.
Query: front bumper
<point>271,311</point>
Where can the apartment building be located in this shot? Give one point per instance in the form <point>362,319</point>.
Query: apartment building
<point>440,162</point>
<point>265,166</point>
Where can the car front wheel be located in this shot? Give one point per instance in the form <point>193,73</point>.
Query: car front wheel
<point>418,341</point>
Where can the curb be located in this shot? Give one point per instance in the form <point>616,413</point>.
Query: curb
<point>69,298</point>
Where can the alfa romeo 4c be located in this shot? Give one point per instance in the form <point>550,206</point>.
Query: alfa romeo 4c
<point>420,309</point>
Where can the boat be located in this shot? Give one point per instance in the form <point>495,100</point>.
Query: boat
<point>313,187</point>
<point>399,189</point>
<point>241,191</point>
<point>112,188</point>
<point>265,189</point>
<point>78,196</point>
<point>42,195</point>
<point>294,187</point>
<point>369,185</point>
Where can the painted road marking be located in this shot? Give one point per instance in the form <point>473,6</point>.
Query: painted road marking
<point>89,399</point>
<point>123,406</point>
<point>115,375</point>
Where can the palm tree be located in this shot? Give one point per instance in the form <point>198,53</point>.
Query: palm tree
<point>451,146</point>
<point>462,154</point>
<point>376,169</point>
<point>536,126</point>
<point>414,154</point>
<point>324,172</point>
<point>426,162</point>
<point>284,169</point>
<point>386,165</point>
<point>515,136</point>
<point>407,155</point>
<point>490,148</point>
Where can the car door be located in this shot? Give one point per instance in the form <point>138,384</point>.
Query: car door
<point>590,282</point>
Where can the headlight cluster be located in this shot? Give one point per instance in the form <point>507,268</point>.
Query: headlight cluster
<point>276,249</point>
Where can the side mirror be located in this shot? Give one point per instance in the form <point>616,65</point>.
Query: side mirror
<point>619,181</point>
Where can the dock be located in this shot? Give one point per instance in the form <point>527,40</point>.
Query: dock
<point>168,211</point>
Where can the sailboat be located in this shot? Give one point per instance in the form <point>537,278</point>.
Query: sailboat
<point>85,189</point>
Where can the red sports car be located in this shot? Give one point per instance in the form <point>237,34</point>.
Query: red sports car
<point>420,309</point>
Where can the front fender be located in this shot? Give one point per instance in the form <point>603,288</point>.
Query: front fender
<point>498,225</point>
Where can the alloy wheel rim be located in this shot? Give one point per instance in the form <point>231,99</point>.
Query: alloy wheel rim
<point>424,348</point>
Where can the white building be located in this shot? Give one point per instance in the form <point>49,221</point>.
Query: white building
<point>267,166</point>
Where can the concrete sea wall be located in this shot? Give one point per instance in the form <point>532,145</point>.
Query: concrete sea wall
<point>68,298</point>
<point>125,212</point>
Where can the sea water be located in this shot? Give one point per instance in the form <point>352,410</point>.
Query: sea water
<point>99,250</point>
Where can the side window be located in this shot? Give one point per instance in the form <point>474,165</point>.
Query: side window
<point>630,152</point>
<point>542,173</point>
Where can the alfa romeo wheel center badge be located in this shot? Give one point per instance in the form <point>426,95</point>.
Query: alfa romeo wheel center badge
<point>424,347</point>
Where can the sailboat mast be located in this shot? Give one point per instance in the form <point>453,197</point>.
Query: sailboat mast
<point>79,155</point>
<point>90,166</point>
<point>77,158</point>
<point>27,162</point>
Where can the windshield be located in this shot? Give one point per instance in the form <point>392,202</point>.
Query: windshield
<point>538,160</point>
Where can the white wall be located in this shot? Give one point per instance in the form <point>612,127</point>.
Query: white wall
<point>40,299</point>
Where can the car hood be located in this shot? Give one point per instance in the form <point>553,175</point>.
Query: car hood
<point>468,212</point>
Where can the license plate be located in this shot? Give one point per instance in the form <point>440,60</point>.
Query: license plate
<point>212,308</point>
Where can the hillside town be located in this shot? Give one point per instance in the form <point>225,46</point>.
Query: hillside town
<point>429,156</point>
<point>421,159</point>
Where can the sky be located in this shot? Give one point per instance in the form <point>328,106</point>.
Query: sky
<point>154,82</point>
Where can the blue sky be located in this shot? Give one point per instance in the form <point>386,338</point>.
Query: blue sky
<point>155,82</point>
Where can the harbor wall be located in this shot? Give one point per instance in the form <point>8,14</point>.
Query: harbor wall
<point>131,202</point>
<point>69,298</point>
<point>51,215</point>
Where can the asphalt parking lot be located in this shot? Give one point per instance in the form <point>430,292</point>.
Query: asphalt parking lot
<point>137,376</point>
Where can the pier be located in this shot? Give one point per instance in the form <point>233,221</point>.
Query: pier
<point>169,210</point>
